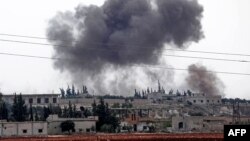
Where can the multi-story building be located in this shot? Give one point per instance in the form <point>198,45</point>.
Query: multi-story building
<point>34,99</point>
<point>202,99</point>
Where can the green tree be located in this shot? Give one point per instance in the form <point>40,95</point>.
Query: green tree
<point>73,90</point>
<point>19,108</point>
<point>62,92</point>
<point>105,116</point>
<point>70,110</point>
<point>94,108</point>
<point>36,115</point>
<point>67,125</point>
<point>46,112</point>
<point>1,96</point>
<point>31,112</point>
<point>74,111</point>
<point>3,111</point>
<point>68,92</point>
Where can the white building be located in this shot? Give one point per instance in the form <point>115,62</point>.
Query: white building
<point>34,99</point>
<point>82,125</point>
<point>203,99</point>
<point>35,128</point>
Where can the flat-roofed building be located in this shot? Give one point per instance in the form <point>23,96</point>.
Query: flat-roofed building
<point>34,99</point>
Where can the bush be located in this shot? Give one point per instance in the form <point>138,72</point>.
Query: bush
<point>68,125</point>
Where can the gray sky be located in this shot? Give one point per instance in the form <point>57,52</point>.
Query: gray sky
<point>225,25</point>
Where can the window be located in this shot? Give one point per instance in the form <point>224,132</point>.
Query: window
<point>87,130</point>
<point>30,100</point>
<point>80,130</point>
<point>24,130</point>
<point>54,100</point>
<point>194,101</point>
<point>38,100</point>
<point>218,101</point>
<point>207,101</point>
<point>40,130</point>
<point>46,100</point>
<point>180,125</point>
<point>201,101</point>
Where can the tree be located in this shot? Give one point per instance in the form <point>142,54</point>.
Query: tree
<point>46,112</point>
<point>68,92</point>
<point>189,92</point>
<point>94,108</point>
<point>36,115</point>
<point>148,90</point>
<point>105,116</point>
<point>70,110</point>
<point>178,93</point>
<point>19,108</point>
<point>3,111</point>
<point>1,96</point>
<point>74,111</point>
<point>68,125</point>
<point>171,92</point>
<point>65,112</point>
<point>62,92</point>
<point>31,112</point>
<point>73,90</point>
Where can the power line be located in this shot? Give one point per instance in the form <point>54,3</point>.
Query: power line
<point>144,66</point>
<point>179,50</point>
<point>107,50</point>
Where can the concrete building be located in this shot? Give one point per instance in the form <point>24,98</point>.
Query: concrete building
<point>23,128</point>
<point>203,99</point>
<point>82,125</point>
<point>198,124</point>
<point>34,99</point>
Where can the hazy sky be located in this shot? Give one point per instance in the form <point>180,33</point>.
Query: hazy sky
<point>225,25</point>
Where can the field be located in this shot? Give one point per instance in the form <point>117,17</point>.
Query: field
<point>125,137</point>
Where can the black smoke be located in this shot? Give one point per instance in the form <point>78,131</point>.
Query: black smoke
<point>120,34</point>
<point>200,79</point>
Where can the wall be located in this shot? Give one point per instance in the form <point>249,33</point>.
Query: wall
<point>23,128</point>
<point>81,124</point>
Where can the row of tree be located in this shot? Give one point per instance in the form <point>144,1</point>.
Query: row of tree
<point>72,92</point>
<point>19,112</point>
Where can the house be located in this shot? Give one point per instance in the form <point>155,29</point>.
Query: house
<point>34,99</point>
<point>82,125</point>
<point>35,128</point>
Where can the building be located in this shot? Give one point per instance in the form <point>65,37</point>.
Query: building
<point>203,99</point>
<point>198,123</point>
<point>35,128</point>
<point>34,99</point>
<point>82,125</point>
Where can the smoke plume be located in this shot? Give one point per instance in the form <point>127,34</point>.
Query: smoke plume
<point>95,42</point>
<point>202,80</point>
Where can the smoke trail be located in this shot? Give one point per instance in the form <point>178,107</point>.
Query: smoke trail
<point>132,30</point>
<point>202,80</point>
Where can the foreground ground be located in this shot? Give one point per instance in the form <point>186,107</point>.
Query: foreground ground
<point>125,137</point>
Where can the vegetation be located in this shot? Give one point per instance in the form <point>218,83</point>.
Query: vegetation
<point>72,92</point>
<point>3,111</point>
<point>68,125</point>
<point>107,121</point>
<point>19,109</point>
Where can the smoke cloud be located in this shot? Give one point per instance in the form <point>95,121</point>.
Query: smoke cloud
<point>96,42</point>
<point>202,80</point>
